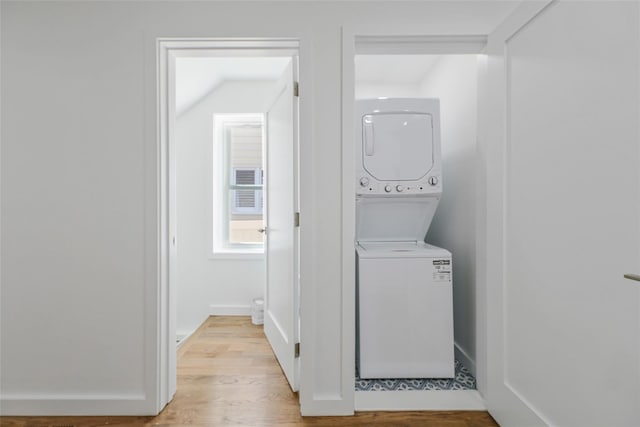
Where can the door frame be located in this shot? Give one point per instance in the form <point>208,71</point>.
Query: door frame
<point>492,79</point>
<point>167,50</point>
<point>401,41</point>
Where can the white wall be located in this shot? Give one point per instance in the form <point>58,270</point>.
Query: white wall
<point>73,210</point>
<point>228,285</point>
<point>453,79</point>
<point>366,90</point>
<point>79,190</point>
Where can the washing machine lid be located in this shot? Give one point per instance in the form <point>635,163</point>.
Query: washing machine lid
<point>413,249</point>
<point>393,219</point>
<point>397,145</point>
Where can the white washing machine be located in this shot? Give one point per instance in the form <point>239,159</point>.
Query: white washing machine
<point>405,310</point>
<point>405,303</point>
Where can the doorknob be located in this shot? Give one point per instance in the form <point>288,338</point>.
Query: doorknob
<point>635,277</point>
<point>264,230</point>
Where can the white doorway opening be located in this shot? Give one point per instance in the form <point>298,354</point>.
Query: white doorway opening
<point>241,95</point>
<point>447,68</point>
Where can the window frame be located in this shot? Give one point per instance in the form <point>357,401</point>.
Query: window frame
<point>220,206</point>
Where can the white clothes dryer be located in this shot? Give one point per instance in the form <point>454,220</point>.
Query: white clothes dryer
<point>398,147</point>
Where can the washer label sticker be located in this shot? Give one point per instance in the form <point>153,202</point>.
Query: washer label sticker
<point>441,270</point>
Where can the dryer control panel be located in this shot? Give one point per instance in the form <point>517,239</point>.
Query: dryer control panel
<point>365,184</point>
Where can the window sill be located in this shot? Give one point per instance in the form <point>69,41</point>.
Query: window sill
<point>244,254</point>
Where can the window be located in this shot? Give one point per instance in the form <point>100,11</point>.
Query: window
<point>237,178</point>
<point>246,184</point>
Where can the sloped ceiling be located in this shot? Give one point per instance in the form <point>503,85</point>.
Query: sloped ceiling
<point>198,76</point>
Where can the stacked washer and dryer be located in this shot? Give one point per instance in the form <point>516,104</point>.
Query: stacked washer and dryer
<point>404,285</point>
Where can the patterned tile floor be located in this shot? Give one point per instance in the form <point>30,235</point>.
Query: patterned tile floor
<point>462,381</point>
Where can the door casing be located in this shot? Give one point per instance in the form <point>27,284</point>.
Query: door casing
<point>397,42</point>
<point>167,50</point>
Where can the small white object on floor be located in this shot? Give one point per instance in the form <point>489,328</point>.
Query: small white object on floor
<point>257,311</point>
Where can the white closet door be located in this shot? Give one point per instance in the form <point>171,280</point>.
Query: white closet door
<point>563,216</point>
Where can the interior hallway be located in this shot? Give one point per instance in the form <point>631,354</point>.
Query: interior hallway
<point>228,376</point>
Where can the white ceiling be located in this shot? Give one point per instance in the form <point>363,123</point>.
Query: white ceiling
<point>198,76</point>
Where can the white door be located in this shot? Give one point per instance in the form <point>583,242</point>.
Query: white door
<point>281,296</point>
<point>563,216</point>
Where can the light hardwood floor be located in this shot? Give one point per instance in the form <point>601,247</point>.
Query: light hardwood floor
<point>228,376</point>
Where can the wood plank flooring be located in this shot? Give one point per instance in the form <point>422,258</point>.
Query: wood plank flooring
<point>228,376</point>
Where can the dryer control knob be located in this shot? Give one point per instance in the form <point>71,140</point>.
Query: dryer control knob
<point>364,181</point>
<point>387,188</point>
<point>399,188</point>
<point>433,180</point>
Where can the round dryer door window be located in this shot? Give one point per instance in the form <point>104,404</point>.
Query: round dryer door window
<point>397,146</point>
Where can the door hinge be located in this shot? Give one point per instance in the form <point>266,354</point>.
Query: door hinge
<point>296,219</point>
<point>296,351</point>
<point>296,89</point>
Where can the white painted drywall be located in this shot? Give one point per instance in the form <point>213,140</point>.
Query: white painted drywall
<point>79,190</point>
<point>391,90</point>
<point>73,210</point>
<point>229,285</point>
<point>453,79</point>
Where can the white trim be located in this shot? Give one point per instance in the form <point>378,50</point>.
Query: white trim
<point>182,338</point>
<point>481,228</point>
<point>229,310</point>
<point>76,405</point>
<point>426,45</point>
<point>419,400</point>
<point>465,359</point>
<point>271,46</point>
<point>348,220</point>
<point>164,320</point>
<point>164,314</point>
<point>254,254</point>
<point>307,277</point>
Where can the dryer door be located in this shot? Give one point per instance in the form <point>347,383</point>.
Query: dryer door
<point>397,146</point>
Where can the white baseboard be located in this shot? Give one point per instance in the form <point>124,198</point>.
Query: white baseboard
<point>230,310</point>
<point>75,405</point>
<point>465,359</point>
<point>419,400</point>
<point>182,337</point>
